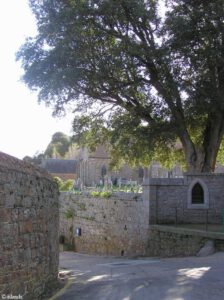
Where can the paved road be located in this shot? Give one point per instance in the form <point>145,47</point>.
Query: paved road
<point>109,278</point>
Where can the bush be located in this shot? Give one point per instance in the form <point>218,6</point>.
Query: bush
<point>59,182</point>
<point>104,194</point>
<point>64,185</point>
<point>67,185</point>
<point>95,194</point>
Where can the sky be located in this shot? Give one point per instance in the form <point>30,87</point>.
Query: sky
<point>26,127</point>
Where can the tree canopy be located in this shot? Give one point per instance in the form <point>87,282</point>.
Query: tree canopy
<point>59,146</point>
<point>141,80</point>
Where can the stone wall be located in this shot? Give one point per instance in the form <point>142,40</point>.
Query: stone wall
<point>28,229</point>
<point>168,199</point>
<point>120,226</point>
<point>115,226</point>
<point>167,241</point>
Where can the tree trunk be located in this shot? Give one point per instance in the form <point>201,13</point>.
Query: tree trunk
<point>190,152</point>
<point>202,159</point>
<point>212,139</point>
<point>198,161</point>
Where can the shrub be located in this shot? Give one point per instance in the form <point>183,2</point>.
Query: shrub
<point>64,186</point>
<point>67,185</point>
<point>59,182</point>
<point>95,194</point>
<point>105,194</point>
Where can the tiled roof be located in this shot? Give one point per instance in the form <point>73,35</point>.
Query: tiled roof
<point>63,166</point>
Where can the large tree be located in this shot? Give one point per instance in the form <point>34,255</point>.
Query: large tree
<point>59,146</point>
<point>161,77</point>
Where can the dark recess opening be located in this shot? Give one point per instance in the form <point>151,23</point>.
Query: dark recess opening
<point>197,194</point>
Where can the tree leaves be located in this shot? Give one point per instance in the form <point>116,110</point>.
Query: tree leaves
<point>58,146</point>
<point>163,77</point>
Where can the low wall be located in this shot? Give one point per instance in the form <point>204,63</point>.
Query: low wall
<point>120,225</point>
<point>167,241</point>
<point>28,230</point>
<point>115,225</point>
<point>168,199</point>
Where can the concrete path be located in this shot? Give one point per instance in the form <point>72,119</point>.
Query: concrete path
<point>109,278</point>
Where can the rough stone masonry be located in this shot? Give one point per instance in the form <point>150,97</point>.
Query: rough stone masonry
<point>124,224</point>
<point>28,230</point>
<point>108,226</point>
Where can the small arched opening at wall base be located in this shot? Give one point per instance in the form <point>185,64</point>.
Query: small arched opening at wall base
<point>122,252</point>
<point>198,195</point>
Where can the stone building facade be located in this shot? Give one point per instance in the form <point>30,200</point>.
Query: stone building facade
<point>93,166</point>
<point>171,200</point>
<point>28,230</point>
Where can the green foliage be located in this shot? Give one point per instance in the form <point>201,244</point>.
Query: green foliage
<point>58,146</point>
<point>59,182</point>
<point>95,193</point>
<point>64,186</point>
<point>125,139</point>
<point>142,83</point>
<point>104,194</point>
<point>220,157</point>
<point>67,185</point>
<point>69,214</point>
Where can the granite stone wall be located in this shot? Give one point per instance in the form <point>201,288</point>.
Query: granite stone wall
<point>122,224</point>
<point>116,226</point>
<point>167,241</point>
<point>169,203</point>
<point>28,230</point>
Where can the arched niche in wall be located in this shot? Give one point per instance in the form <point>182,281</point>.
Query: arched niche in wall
<point>197,195</point>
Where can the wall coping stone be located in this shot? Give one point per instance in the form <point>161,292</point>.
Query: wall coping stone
<point>16,165</point>
<point>203,174</point>
<point>188,231</point>
<point>163,181</point>
<point>178,181</point>
<point>130,196</point>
